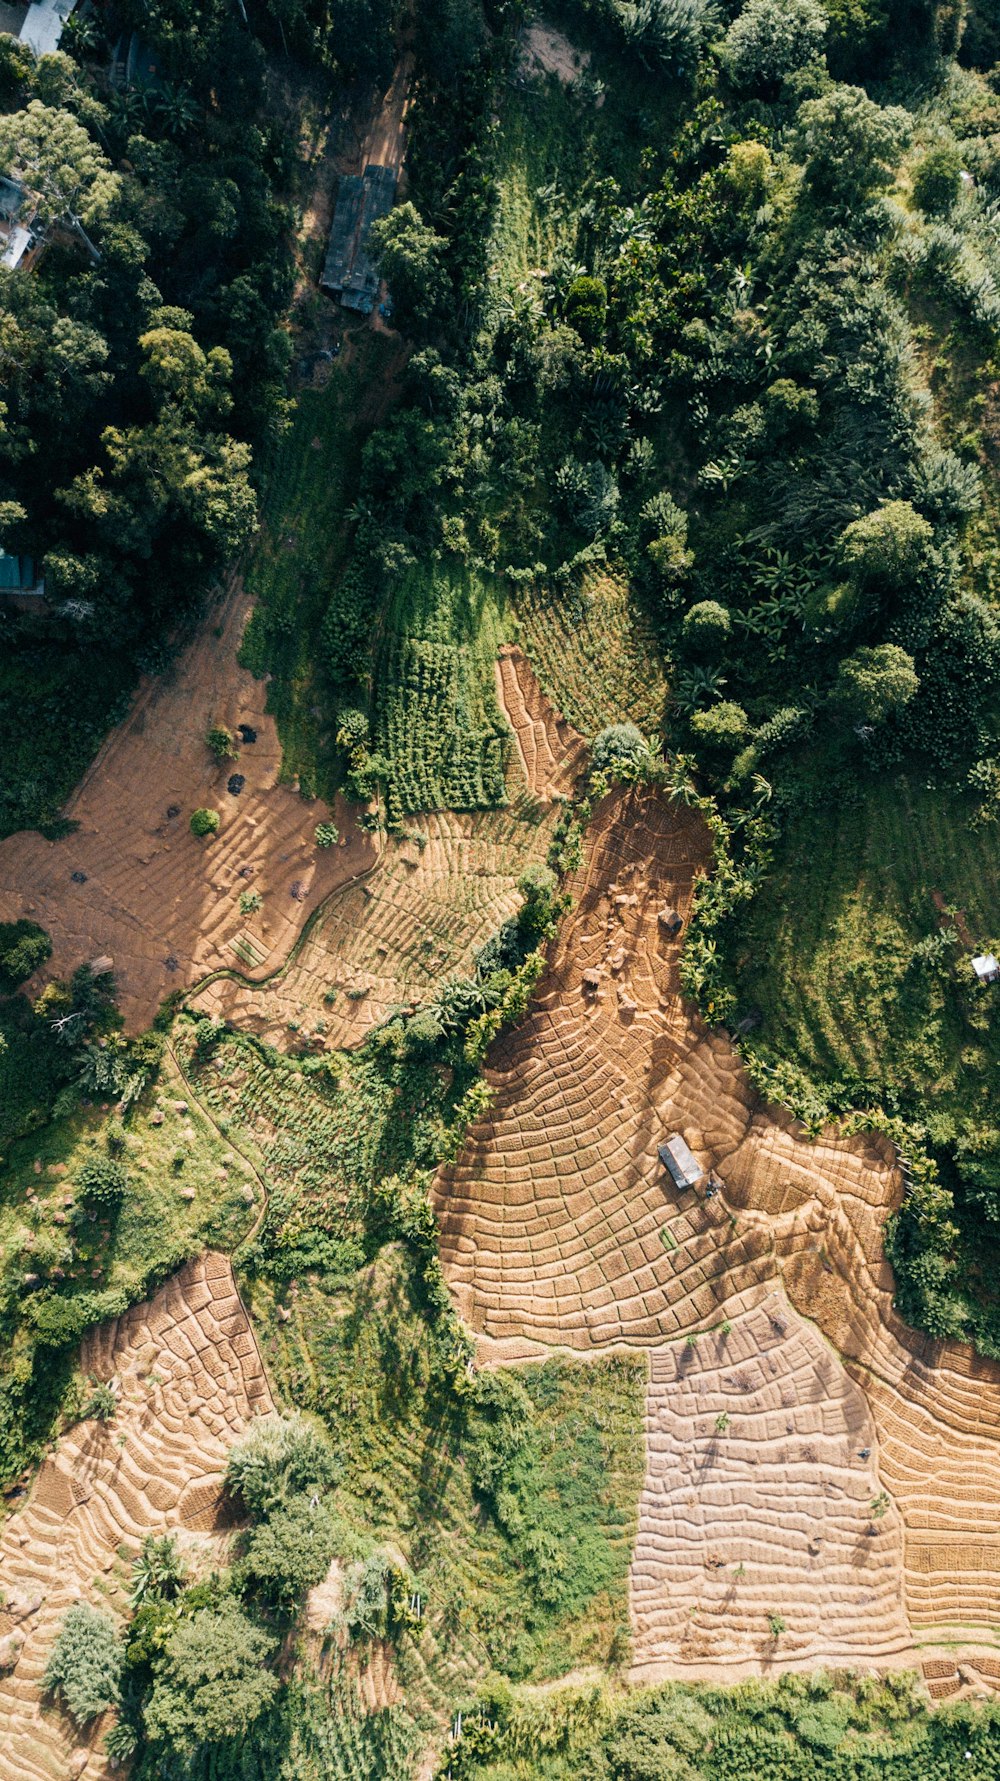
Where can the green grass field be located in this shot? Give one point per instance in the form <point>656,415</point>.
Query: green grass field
<point>831,954</point>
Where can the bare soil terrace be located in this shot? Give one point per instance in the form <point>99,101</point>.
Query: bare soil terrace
<point>189,1377</point>
<point>768,1304</point>
<point>134,884</point>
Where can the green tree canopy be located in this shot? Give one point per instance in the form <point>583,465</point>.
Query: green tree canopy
<point>85,1662</point>
<point>410,257</point>
<point>212,1681</point>
<point>851,145</point>
<point>68,176</point>
<point>873,682</point>
<point>771,38</point>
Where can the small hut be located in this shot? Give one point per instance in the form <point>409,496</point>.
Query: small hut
<point>986,968</point>
<point>680,1162</point>
<point>670,921</point>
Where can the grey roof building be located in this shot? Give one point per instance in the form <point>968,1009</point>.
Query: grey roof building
<point>348,271</point>
<point>680,1162</point>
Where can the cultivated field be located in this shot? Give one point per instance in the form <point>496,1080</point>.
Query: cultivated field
<point>134,884</point>
<point>188,1377</point>
<point>437,894</point>
<point>561,1228</point>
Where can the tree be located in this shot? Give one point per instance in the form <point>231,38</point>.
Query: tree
<point>23,947</point>
<point>289,1553</point>
<point>722,726</point>
<point>706,627</point>
<point>618,747</point>
<point>212,1680</point>
<point>101,1181</point>
<point>938,180</point>
<point>888,546</point>
<point>276,1459</point>
<point>873,682</point>
<point>85,1662</point>
<point>851,145</point>
<point>410,256</point>
<point>68,176</point>
<point>204,822</point>
<point>771,38</point>
<point>586,308</point>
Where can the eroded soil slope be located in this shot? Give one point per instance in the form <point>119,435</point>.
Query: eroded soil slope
<point>189,1377</point>
<point>560,1227</point>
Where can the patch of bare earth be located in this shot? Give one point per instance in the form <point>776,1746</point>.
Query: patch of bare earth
<point>544,50</point>
<point>434,898</point>
<point>560,1228</point>
<point>189,1378</point>
<point>133,883</point>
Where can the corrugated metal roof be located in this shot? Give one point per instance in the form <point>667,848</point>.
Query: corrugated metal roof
<point>682,1163</point>
<point>361,199</point>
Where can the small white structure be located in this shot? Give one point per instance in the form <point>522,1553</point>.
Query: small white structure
<point>19,241</point>
<point>44,23</point>
<point>680,1162</point>
<point>986,968</point>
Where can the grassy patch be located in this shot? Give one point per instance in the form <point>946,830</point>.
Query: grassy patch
<point>65,1266</point>
<point>303,547</point>
<point>531,1591</point>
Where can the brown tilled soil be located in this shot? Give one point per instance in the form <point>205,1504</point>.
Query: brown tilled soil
<point>163,904</point>
<point>189,1378</point>
<point>561,1228</point>
<point>420,916</point>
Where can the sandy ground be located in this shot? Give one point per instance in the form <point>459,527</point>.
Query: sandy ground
<point>190,1378</point>
<point>420,915</point>
<point>134,884</point>
<point>560,1228</point>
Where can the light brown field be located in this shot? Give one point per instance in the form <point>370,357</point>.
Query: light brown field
<point>553,1223</point>
<point>420,915</point>
<point>163,904</point>
<point>190,1378</point>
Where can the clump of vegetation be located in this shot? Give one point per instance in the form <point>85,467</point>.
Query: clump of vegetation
<point>204,822</point>
<point>326,834</point>
<point>250,902</point>
<point>85,1663</point>
<point>222,743</point>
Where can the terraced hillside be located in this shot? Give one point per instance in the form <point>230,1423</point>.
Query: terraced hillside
<point>561,1228</point>
<point>188,1377</point>
<point>437,894</point>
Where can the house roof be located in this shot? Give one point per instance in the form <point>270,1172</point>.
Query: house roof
<point>17,573</point>
<point>348,270</point>
<point>43,25</point>
<point>986,965</point>
<point>681,1162</point>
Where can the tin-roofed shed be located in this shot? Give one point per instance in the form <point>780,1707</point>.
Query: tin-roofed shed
<point>348,271</point>
<point>680,1162</point>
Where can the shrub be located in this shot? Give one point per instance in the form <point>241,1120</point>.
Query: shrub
<point>101,1180</point>
<point>618,747</point>
<point>204,822</point>
<point>288,1553</point>
<point>771,38</point>
<point>586,308</point>
<point>102,1404</point>
<point>723,725</point>
<point>85,1663</point>
<point>222,744</point>
<point>706,626</point>
<point>872,682</point>
<point>326,834</point>
<point>851,145</point>
<point>211,1682</point>
<point>250,902</point>
<point>887,546</point>
<point>277,1458</point>
<point>23,947</point>
<point>938,180</point>
<point>665,33</point>
<point>747,171</point>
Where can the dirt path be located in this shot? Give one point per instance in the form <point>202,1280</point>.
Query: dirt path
<point>560,1228</point>
<point>190,1378</point>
